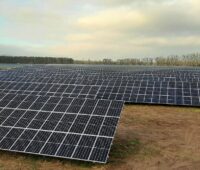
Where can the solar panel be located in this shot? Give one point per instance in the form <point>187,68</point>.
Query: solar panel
<point>153,92</point>
<point>72,111</point>
<point>34,125</point>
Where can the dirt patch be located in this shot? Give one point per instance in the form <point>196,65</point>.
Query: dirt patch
<point>148,137</point>
<point>169,135</point>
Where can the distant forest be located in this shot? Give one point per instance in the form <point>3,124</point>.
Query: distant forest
<point>173,60</point>
<point>34,60</point>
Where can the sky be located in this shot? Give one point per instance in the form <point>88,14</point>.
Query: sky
<point>97,29</point>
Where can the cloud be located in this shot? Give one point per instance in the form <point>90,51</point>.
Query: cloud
<point>96,28</point>
<point>157,20</point>
<point>137,3</point>
<point>116,19</point>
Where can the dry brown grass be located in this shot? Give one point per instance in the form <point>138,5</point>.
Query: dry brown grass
<point>148,137</point>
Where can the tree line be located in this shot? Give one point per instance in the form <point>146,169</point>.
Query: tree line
<point>34,60</point>
<point>172,60</point>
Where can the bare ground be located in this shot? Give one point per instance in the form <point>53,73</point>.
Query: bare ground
<point>147,138</point>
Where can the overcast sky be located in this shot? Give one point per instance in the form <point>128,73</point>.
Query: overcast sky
<point>95,29</point>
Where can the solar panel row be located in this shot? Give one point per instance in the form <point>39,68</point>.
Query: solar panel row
<point>175,93</point>
<point>73,76</point>
<point>72,112</point>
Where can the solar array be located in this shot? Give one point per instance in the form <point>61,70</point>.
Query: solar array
<point>81,129</point>
<point>73,111</point>
<point>177,86</point>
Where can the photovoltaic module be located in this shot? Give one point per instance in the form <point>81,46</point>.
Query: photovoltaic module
<point>72,111</point>
<point>81,129</point>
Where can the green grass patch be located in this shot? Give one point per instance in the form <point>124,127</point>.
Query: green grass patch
<point>1,167</point>
<point>122,149</point>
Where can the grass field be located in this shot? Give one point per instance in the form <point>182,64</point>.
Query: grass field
<point>148,137</point>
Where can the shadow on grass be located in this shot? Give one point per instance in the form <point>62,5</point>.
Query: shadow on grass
<point>122,149</point>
